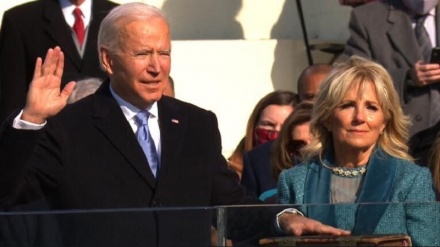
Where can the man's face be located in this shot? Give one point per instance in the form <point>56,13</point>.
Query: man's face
<point>139,69</point>
<point>420,7</point>
<point>77,2</point>
<point>311,86</point>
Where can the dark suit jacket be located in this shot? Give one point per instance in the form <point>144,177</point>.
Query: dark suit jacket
<point>382,31</point>
<point>87,157</point>
<point>257,175</point>
<point>27,32</point>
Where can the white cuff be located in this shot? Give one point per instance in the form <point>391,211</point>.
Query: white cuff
<point>25,125</point>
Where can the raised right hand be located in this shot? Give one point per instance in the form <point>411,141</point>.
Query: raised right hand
<point>45,98</point>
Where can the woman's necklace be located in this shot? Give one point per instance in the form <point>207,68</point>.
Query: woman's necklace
<point>347,172</point>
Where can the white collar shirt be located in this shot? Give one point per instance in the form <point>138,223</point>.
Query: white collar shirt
<point>130,112</point>
<point>429,26</point>
<point>86,8</point>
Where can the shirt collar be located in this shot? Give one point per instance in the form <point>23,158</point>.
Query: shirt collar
<point>430,13</point>
<point>130,110</point>
<point>86,8</point>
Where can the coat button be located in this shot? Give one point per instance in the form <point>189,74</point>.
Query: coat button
<point>419,117</point>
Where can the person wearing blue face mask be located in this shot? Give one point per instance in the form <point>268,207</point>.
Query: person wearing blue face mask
<point>400,35</point>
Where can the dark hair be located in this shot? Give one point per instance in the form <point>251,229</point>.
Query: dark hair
<point>282,155</point>
<point>318,68</point>
<point>278,97</point>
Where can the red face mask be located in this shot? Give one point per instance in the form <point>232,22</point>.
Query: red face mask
<point>263,135</point>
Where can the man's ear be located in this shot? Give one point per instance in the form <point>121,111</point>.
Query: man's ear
<point>107,61</point>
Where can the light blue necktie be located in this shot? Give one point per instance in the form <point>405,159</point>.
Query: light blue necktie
<point>146,142</point>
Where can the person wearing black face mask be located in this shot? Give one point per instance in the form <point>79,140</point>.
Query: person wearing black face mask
<point>399,35</point>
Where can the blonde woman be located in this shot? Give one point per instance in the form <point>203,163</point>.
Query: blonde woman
<point>358,164</point>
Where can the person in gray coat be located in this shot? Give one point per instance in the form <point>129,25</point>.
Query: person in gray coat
<point>383,31</point>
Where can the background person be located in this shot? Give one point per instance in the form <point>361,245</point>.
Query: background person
<point>287,148</point>
<point>259,163</point>
<point>84,88</point>
<point>30,29</point>
<point>310,80</point>
<point>169,90</point>
<point>263,124</point>
<point>359,155</point>
<point>434,165</point>
<point>385,32</point>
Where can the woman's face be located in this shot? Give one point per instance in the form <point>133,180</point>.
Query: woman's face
<point>358,121</point>
<point>269,123</point>
<point>301,133</point>
<point>301,136</point>
<point>273,116</point>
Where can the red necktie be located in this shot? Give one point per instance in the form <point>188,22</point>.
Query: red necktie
<point>78,26</point>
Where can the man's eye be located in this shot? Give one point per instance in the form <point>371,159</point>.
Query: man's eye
<point>142,53</point>
<point>164,53</point>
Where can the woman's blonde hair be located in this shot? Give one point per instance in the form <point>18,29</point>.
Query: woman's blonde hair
<point>357,71</point>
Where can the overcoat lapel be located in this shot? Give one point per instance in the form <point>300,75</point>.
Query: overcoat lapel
<point>317,192</point>
<point>90,51</point>
<point>376,192</point>
<point>172,124</point>
<point>57,29</point>
<point>110,120</point>
<point>403,41</point>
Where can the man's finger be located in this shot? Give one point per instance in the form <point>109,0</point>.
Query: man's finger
<point>67,90</point>
<point>60,65</point>
<point>37,70</point>
<point>51,61</point>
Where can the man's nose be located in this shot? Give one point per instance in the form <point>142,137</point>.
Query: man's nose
<point>153,63</point>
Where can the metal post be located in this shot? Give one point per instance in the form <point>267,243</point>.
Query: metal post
<point>304,31</point>
<point>221,226</point>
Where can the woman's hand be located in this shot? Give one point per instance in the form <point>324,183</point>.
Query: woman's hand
<point>298,225</point>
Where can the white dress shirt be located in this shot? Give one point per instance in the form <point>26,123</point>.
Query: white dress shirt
<point>86,8</point>
<point>429,26</point>
<point>130,112</point>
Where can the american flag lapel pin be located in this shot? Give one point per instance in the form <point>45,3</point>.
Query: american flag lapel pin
<point>175,121</point>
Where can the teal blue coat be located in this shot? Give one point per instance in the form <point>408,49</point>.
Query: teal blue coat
<point>396,197</point>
